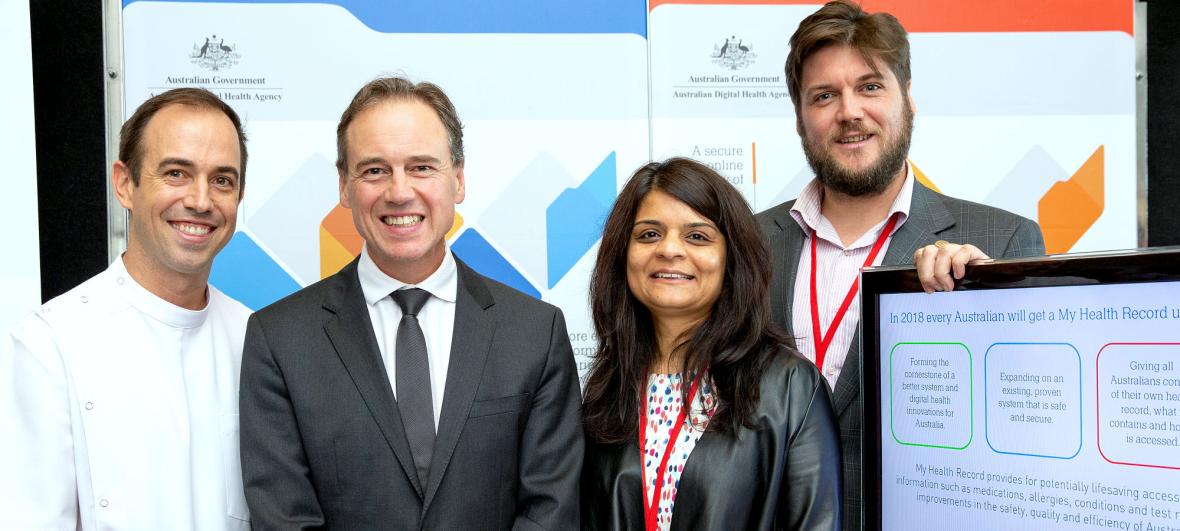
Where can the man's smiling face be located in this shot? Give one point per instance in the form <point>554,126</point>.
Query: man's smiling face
<point>855,121</point>
<point>184,207</point>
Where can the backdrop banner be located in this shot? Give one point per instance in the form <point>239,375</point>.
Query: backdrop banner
<point>1030,108</point>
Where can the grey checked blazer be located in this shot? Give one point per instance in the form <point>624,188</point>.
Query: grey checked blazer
<point>932,217</point>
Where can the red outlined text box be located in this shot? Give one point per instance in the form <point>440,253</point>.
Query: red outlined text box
<point>1149,377</point>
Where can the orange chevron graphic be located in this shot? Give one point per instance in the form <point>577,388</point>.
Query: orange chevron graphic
<point>340,243</point>
<point>922,178</point>
<point>1072,206</point>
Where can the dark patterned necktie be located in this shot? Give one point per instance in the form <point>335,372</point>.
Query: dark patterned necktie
<point>412,375</point>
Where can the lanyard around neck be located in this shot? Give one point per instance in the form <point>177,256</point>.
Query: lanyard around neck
<point>822,341</point>
<point>650,512</point>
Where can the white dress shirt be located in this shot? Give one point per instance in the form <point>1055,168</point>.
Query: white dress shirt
<point>119,410</point>
<point>839,265</point>
<point>437,318</point>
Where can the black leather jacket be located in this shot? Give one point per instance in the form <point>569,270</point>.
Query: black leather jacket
<point>783,474</point>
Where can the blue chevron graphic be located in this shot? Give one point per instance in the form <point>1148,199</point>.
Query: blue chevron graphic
<point>245,272</point>
<point>573,222</point>
<point>472,248</point>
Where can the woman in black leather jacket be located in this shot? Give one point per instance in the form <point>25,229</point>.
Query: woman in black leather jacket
<point>679,296</point>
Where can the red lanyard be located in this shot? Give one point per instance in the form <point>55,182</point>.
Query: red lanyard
<point>823,340</point>
<point>650,511</point>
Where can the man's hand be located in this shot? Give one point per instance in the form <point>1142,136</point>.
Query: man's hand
<point>937,263</point>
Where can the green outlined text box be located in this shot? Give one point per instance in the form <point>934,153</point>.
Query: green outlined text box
<point>936,390</point>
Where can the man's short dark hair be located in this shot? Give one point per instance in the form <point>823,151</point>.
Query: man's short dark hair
<point>878,37</point>
<point>400,89</point>
<point>131,134</point>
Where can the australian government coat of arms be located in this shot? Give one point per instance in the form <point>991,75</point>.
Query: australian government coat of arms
<point>733,54</point>
<point>214,54</point>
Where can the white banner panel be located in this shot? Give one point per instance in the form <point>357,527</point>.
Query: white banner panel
<point>1034,114</point>
<point>554,108</point>
<point>1027,106</point>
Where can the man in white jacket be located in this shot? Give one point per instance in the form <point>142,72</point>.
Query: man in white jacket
<point>119,399</point>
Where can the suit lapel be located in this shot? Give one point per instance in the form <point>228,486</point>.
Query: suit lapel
<point>927,218</point>
<point>848,384</point>
<point>472,339</point>
<point>351,333</point>
<point>787,246</point>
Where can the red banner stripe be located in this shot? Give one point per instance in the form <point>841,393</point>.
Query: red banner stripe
<point>927,16</point>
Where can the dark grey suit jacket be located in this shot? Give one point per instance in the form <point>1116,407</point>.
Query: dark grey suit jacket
<point>932,217</point>
<point>323,445</point>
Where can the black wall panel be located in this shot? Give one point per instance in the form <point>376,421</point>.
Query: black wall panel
<point>69,103</point>
<point>1163,116</point>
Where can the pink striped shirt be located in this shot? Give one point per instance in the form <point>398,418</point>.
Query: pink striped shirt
<point>838,267</point>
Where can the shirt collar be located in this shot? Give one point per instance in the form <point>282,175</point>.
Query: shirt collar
<point>152,305</point>
<point>806,210</point>
<point>376,285</point>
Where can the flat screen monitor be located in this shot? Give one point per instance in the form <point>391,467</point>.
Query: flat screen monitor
<point>1040,394</point>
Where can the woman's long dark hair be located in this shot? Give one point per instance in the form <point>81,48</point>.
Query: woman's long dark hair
<point>735,342</point>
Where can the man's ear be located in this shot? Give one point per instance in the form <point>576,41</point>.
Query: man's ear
<point>460,186</point>
<point>123,184</point>
<point>909,94</point>
<point>344,199</point>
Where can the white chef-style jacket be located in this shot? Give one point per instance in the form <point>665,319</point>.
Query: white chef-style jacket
<point>119,410</point>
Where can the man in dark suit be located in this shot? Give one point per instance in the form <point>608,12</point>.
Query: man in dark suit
<point>407,391</point>
<point>849,77</point>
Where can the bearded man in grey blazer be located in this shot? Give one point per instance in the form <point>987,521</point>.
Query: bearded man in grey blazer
<point>408,391</point>
<point>849,77</point>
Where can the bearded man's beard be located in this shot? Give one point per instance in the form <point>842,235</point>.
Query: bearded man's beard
<point>872,180</point>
